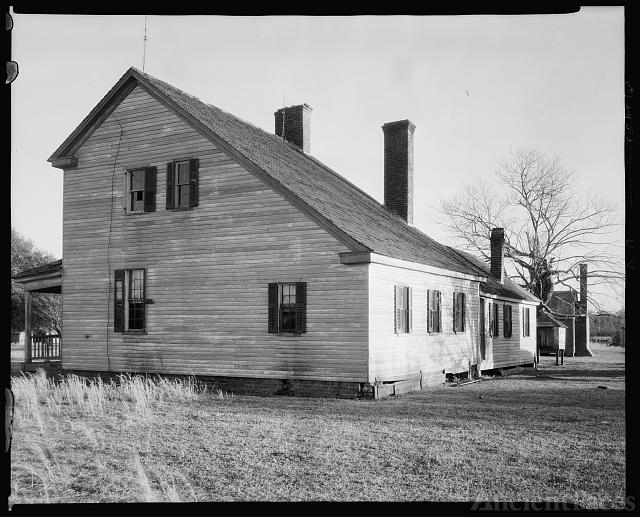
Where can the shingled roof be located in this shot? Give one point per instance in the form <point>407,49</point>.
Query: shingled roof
<point>508,288</point>
<point>51,267</point>
<point>545,319</point>
<point>335,199</point>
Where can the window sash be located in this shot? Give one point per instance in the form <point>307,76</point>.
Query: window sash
<point>402,310</point>
<point>287,307</point>
<point>433,311</point>
<point>130,294</point>
<point>136,190</point>
<point>182,184</point>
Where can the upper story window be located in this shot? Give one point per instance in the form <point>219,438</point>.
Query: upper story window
<point>182,184</point>
<point>287,307</point>
<point>129,300</point>
<point>402,312</point>
<point>506,320</point>
<point>458,312</point>
<point>434,318</point>
<point>140,190</point>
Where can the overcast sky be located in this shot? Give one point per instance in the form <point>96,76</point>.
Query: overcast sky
<point>474,86</point>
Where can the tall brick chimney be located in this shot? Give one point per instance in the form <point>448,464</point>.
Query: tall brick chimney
<point>582,319</point>
<point>583,285</point>
<point>497,254</point>
<point>293,123</point>
<point>398,168</point>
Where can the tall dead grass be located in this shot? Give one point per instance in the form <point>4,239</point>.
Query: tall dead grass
<point>44,405</point>
<point>138,394</point>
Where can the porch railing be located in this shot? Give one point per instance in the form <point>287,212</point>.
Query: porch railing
<point>45,347</point>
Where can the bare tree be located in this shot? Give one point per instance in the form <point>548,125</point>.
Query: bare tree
<point>549,227</point>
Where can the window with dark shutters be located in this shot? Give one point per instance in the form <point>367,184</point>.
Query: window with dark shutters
<point>287,308</point>
<point>183,183</point>
<point>130,300</point>
<point>434,316</point>
<point>402,303</point>
<point>140,190</point>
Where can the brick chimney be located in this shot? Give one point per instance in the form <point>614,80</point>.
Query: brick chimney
<point>583,286</point>
<point>398,168</point>
<point>582,332</point>
<point>293,123</point>
<point>497,254</point>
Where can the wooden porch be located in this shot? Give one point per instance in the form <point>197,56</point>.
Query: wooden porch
<point>40,350</point>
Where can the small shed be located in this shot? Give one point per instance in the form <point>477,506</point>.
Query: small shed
<point>551,334</point>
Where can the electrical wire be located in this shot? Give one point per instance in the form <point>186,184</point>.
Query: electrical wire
<point>113,177</point>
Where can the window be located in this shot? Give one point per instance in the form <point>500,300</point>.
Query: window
<point>525,321</point>
<point>494,325</point>
<point>129,300</point>
<point>182,184</point>
<point>140,190</point>
<point>402,311</point>
<point>506,320</point>
<point>434,320</point>
<point>288,308</point>
<point>458,312</point>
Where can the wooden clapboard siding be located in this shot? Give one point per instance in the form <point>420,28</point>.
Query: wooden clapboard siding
<point>392,356</point>
<point>207,268</point>
<point>502,352</point>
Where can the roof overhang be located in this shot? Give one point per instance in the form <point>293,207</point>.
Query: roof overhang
<point>368,257</point>
<point>509,299</point>
<point>45,282</point>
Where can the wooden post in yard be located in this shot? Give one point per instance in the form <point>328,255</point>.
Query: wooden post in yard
<point>557,354</point>
<point>562,357</point>
<point>27,326</point>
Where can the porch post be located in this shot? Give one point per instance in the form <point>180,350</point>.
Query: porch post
<point>27,326</point>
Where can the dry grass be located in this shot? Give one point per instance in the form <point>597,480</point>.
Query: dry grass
<point>545,435</point>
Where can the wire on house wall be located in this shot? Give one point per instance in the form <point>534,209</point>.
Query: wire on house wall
<point>113,178</point>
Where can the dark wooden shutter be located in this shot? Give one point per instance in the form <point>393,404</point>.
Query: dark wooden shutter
<point>193,182</point>
<point>455,312</point>
<point>170,184</point>
<point>150,189</point>
<point>396,312</point>
<point>409,309</point>
<point>118,305</point>
<point>273,308</point>
<point>428,310</point>
<point>462,310</point>
<point>144,299</point>
<point>439,306</point>
<point>301,307</point>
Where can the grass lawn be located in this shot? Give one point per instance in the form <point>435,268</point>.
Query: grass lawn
<point>548,435</point>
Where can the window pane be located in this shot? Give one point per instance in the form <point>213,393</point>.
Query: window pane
<point>136,284</point>
<point>183,173</point>
<point>137,180</point>
<point>288,319</point>
<point>136,315</point>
